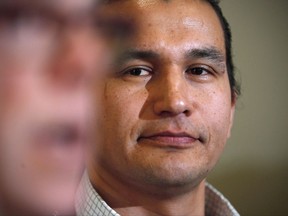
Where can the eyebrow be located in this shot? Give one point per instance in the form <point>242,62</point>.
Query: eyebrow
<point>133,54</point>
<point>210,53</point>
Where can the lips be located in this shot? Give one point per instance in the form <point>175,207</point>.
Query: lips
<point>180,140</point>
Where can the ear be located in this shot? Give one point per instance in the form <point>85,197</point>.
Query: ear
<point>233,105</point>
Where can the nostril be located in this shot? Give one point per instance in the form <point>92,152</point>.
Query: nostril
<point>187,112</point>
<point>171,113</point>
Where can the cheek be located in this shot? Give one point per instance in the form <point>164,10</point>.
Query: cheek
<point>14,158</point>
<point>122,107</point>
<point>219,112</point>
<point>216,112</point>
<point>218,104</point>
<point>12,90</point>
<point>123,102</point>
<point>20,92</point>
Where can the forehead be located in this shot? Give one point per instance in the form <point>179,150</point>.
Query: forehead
<point>170,23</point>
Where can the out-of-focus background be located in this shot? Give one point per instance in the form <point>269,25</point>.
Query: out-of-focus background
<point>253,171</point>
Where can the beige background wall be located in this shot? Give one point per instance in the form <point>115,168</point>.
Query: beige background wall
<point>253,171</point>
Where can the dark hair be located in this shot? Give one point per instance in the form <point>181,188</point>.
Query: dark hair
<point>234,85</point>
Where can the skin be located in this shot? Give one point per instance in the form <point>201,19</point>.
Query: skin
<point>45,105</point>
<point>168,110</point>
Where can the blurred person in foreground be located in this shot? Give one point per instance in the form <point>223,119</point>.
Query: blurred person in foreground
<point>169,104</point>
<point>49,52</point>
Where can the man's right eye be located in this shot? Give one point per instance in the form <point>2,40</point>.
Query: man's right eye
<point>138,71</point>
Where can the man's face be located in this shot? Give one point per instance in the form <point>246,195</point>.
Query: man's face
<point>45,68</point>
<point>168,109</point>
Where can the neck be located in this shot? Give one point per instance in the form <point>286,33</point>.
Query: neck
<point>148,200</point>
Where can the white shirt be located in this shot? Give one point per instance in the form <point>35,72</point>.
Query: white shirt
<point>90,203</point>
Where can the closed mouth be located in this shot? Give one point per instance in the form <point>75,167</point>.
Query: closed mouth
<point>170,139</point>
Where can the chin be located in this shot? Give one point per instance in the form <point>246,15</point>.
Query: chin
<point>174,176</point>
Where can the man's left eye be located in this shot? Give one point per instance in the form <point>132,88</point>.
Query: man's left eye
<point>198,71</point>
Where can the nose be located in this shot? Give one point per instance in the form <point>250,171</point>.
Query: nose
<point>172,95</point>
<point>77,57</point>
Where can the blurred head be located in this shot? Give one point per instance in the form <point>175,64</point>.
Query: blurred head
<point>168,101</point>
<point>50,50</point>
